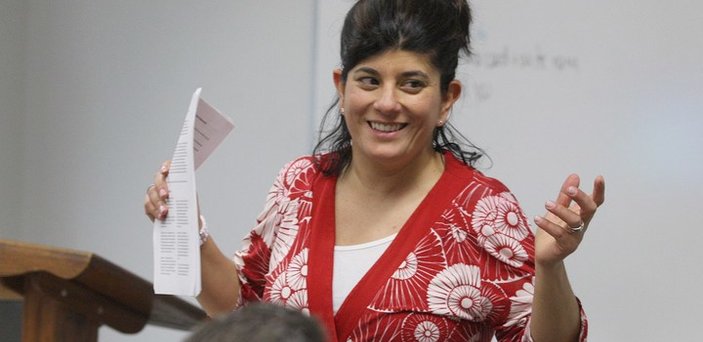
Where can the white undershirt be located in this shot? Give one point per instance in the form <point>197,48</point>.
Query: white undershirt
<point>351,263</point>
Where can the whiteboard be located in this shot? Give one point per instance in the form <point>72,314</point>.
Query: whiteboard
<point>593,87</point>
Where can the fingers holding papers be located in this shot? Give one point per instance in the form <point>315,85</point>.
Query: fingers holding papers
<point>155,206</point>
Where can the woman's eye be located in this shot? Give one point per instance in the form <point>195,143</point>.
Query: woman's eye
<point>368,81</point>
<point>413,85</point>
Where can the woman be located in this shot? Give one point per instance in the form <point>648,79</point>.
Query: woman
<point>387,232</point>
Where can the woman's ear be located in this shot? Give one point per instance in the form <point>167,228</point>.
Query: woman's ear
<point>339,83</point>
<point>450,97</point>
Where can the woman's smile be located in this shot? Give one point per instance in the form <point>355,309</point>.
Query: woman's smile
<point>386,127</point>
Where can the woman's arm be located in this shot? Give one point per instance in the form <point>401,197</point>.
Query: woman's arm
<point>555,310</point>
<point>220,284</point>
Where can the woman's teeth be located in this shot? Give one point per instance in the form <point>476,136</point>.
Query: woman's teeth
<point>384,127</point>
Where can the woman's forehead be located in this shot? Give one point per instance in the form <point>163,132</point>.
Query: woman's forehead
<point>397,60</point>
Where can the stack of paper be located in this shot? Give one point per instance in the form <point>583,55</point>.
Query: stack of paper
<point>176,239</point>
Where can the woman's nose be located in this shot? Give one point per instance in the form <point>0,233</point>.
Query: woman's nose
<point>387,101</point>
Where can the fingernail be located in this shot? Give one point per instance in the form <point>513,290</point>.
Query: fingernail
<point>162,211</point>
<point>163,168</point>
<point>571,191</point>
<point>538,219</point>
<point>163,193</point>
<point>550,205</point>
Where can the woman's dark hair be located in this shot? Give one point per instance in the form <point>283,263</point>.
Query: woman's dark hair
<point>436,28</point>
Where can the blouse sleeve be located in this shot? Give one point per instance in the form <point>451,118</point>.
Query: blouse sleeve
<point>517,325</point>
<point>520,289</point>
<point>252,260</point>
<point>272,236</point>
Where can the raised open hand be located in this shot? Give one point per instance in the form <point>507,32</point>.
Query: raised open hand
<point>563,227</point>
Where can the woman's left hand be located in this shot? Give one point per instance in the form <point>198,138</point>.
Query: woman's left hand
<point>566,221</point>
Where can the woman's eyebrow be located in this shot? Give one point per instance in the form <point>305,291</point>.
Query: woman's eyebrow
<point>405,74</point>
<point>367,70</point>
<point>415,73</point>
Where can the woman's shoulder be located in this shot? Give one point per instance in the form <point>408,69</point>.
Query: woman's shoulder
<point>473,177</point>
<point>303,161</point>
<point>315,163</point>
<point>299,172</point>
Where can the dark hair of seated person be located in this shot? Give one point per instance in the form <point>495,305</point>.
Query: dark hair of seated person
<point>260,322</point>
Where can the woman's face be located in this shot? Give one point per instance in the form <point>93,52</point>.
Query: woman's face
<point>392,102</point>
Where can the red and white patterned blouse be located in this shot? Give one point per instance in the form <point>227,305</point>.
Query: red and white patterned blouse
<point>460,269</point>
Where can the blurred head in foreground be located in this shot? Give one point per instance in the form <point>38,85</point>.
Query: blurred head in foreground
<point>260,322</point>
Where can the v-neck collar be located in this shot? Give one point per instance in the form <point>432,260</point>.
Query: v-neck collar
<point>321,253</point>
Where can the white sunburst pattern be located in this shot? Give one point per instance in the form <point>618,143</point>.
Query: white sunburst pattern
<point>266,227</point>
<point>465,301</point>
<point>510,219</point>
<point>299,301</point>
<point>473,192</point>
<point>295,168</point>
<point>455,218</point>
<point>378,327</point>
<point>456,291</point>
<point>299,177</point>
<point>485,217</point>
<point>300,181</point>
<point>459,244</point>
<point>459,235</point>
<point>424,328</point>
<point>297,271</point>
<point>407,268</point>
<point>521,305</point>
<point>507,250</point>
<point>276,191</point>
<point>287,222</point>
<point>405,290</point>
<point>268,219</point>
<point>426,332</point>
<point>305,208</point>
<point>280,291</point>
<point>285,184</point>
<point>500,304</point>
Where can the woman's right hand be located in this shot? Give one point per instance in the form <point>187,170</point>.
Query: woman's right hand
<point>155,206</point>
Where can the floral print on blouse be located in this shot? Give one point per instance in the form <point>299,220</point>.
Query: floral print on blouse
<point>460,269</point>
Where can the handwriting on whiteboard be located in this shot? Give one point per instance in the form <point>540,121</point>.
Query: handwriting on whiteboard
<point>536,59</point>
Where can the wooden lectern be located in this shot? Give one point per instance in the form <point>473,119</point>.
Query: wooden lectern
<point>69,294</point>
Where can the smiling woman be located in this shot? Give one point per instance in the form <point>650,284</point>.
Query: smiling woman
<point>434,38</point>
<point>387,232</point>
<point>392,105</point>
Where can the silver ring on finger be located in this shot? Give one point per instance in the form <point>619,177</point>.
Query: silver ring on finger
<point>577,229</point>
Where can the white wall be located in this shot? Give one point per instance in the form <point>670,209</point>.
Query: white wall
<point>12,39</point>
<point>619,94</point>
<point>105,87</point>
<point>631,110</point>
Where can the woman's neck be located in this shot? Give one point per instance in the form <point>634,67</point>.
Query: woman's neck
<point>420,173</point>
